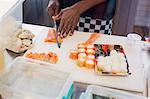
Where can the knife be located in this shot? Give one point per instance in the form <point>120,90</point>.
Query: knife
<point>56,24</point>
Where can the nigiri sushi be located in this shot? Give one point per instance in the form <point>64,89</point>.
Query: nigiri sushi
<point>82,55</point>
<point>89,46</point>
<point>81,61</point>
<point>91,57</point>
<point>89,64</point>
<point>90,51</point>
<point>81,50</point>
<point>73,54</point>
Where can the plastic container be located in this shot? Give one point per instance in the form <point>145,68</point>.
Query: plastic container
<point>107,93</point>
<point>10,16</point>
<point>133,38</point>
<point>31,79</point>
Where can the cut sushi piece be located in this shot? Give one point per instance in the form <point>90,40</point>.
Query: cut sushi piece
<point>115,69</point>
<point>73,54</point>
<point>82,55</point>
<point>81,45</point>
<point>82,50</point>
<point>90,46</point>
<point>50,57</point>
<point>81,62</point>
<point>99,65</point>
<point>123,67</point>
<point>113,53</point>
<point>102,61</point>
<point>51,37</point>
<point>91,57</point>
<point>107,65</point>
<point>90,51</point>
<point>89,64</point>
<point>121,57</point>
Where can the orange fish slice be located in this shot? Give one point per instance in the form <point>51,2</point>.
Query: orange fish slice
<point>51,37</point>
<point>93,38</point>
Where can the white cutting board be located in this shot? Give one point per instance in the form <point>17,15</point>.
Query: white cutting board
<point>134,82</point>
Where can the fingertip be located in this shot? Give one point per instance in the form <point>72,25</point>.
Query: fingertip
<point>70,33</point>
<point>64,34</point>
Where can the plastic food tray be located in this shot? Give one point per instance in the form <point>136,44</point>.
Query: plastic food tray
<point>31,79</point>
<point>118,49</point>
<point>107,92</point>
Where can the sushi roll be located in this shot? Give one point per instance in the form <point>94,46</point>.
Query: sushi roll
<point>81,46</point>
<point>81,62</point>
<point>89,64</point>
<point>90,46</point>
<point>107,64</point>
<point>121,57</point>
<point>100,66</point>
<point>81,50</point>
<point>113,53</point>
<point>82,55</point>
<point>123,67</point>
<point>90,51</point>
<point>115,66</point>
<point>91,57</point>
<point>73,54</point>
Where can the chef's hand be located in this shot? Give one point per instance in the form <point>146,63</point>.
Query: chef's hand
<point>53,7</point>
<point>69,18</point>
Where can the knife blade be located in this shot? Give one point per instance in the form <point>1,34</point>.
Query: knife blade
<point>56,24</point>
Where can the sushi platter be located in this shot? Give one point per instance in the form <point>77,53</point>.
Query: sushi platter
<point>111,60</point>
<point>106,59</point>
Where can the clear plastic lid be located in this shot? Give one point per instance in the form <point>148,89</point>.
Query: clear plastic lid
<point>97,92</point>
<point>29,79</point>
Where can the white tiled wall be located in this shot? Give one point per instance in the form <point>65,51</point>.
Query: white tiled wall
<point>143,13</point>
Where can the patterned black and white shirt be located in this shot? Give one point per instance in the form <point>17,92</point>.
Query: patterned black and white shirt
<point>97,19</point>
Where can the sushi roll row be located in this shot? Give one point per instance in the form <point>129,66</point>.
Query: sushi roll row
<point>85,55</point>
<point>85,60</point>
